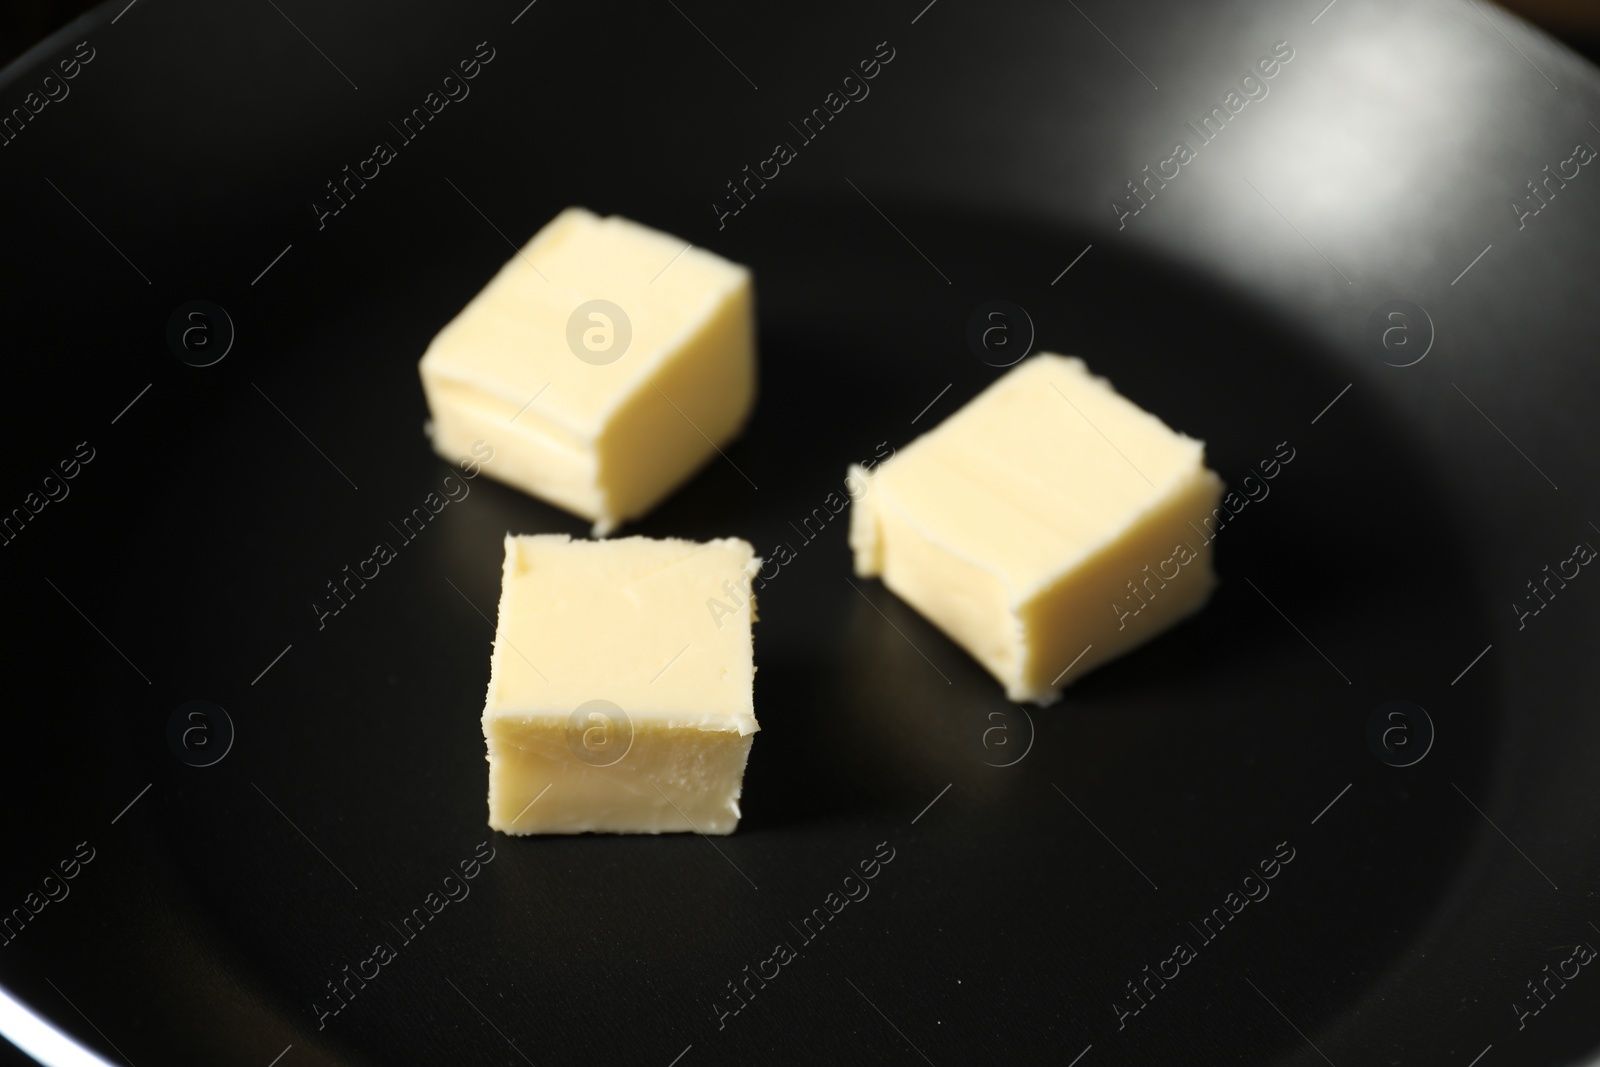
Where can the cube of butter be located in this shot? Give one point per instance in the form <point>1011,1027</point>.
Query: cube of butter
<point>604,364</point>
<point>1045,525</point>
<point>620,686</point>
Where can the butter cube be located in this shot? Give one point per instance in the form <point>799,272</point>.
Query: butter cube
<point>604,364</point>
<point>620,695</point>
<point>1048,524</point>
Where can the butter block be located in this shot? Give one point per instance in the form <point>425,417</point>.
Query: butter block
<point>620,687</point>
<point>1049,519</point>
<point>604,363</point>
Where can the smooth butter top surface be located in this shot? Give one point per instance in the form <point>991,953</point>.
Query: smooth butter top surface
<point>510,343</point>
<point>628,621</point>
<point>1042,468</point>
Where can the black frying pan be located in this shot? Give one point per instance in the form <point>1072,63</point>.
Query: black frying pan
<point>1377,705</point>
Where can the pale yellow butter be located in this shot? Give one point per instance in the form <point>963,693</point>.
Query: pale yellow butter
<point>599,408</point>
<point>1049,523</point>
<point>620,687</point>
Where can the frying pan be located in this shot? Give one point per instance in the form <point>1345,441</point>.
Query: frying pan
<point>1380,258</point>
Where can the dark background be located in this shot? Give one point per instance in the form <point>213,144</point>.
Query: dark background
<point>23,23</point>
<point>1042,857</point>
